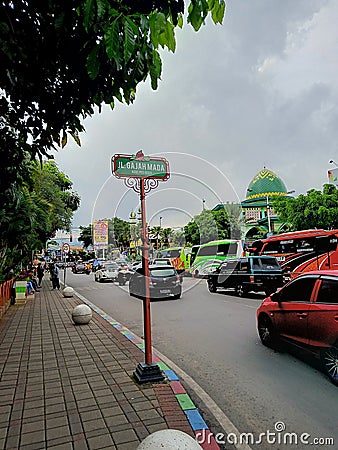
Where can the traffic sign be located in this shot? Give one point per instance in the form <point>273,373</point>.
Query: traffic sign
<point>140,166</point>
<point>66,248</point>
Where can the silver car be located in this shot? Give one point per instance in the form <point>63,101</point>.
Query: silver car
<point>107,272</point>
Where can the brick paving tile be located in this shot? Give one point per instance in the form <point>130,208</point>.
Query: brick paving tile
<point>33,438</point>
<point>115,420</point>
<point>157,427</point>
<point>99,442</point>
<point>37,425</point>
<point>95,424</point>
<point>68,446</point>
<point>120,437</point>
<point>148,414</point>
<point>129,445</point>
<point>80,445</point>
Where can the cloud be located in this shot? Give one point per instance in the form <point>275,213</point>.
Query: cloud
<point>259,90</point>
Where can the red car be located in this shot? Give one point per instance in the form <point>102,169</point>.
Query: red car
<point>305,312</point>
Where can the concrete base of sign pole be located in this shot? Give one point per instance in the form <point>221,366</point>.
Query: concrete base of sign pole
<point>148,373</point>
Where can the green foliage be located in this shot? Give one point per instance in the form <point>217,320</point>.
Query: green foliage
<point>33,211</point>
<point>86,236</point>
<point>316,209</point>
<point>119,232</point>
<point>212,225</point>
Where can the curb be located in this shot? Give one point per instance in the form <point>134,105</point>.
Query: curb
<point>190,410</point>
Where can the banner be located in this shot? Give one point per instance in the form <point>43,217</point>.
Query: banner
<point>100,234</point>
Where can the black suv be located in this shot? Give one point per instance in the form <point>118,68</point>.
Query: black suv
<point>251,273</point>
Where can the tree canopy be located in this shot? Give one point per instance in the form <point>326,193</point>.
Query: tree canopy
<point>316,209</point>
<point>33,212</point>
<point>212,225</point>
<point>61,59</point>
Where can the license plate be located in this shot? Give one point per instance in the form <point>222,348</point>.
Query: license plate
<point>164,291</point>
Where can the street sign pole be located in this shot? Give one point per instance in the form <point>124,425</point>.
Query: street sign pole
<point>145,266</point>
<point>142,173</point>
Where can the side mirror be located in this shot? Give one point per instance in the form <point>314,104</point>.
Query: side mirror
<point>275,297</point>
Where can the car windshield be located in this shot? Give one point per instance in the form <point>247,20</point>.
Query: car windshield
<point>162,272</point>
<point>266,263</point>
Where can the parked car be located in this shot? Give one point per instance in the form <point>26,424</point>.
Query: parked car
<point>305,312</point>
<point>164,283</point>
<point>108,271</point>
<point>79,267</point>
<point>251,273</point>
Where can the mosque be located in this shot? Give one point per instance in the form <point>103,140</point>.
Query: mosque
<point>258,216</point>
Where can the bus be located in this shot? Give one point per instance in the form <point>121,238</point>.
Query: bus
<point>210,255</point>
<point>300,251</point>
<point>175,256</point>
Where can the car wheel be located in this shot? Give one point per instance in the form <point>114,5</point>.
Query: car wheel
<point>240,291</point>
<point>212,286</point>
<point>329,359</point>
<point>267,332</point>
<point>177,296</point>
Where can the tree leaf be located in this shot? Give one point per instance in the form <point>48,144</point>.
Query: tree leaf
<point>93,63</point>
<point>218,10</point>
<point>64,139</point>
<point>88,14</point>
<point>112,42</point>
<point>129,41</point>
<point>75,136</point>
<point>102,7</point>
<point>155,69</point>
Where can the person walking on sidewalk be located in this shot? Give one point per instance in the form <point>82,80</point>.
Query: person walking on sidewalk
<point>40,273</point>
<point>54,274</point>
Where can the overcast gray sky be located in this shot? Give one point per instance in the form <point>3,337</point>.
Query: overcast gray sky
<point>260,90</point>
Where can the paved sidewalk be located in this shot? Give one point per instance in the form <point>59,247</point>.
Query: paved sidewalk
<point>70,387</point>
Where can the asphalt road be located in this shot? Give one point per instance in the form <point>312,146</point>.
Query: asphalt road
<point>213,338</point>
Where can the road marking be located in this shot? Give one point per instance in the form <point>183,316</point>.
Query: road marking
<point>225,423</point>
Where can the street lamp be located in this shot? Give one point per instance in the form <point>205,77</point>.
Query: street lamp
<point>161,222</point>
<point>333,162</point>
<point>203,202</point>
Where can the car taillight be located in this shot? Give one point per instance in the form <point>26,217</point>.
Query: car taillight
<point>252,279</point>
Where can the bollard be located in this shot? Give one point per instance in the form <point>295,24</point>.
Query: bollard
<point>68,291</point>
<point>170,440</point>
<point>81,314</point>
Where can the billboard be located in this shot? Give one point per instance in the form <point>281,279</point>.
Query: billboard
<point>100,234</point>
<point>333,176</point>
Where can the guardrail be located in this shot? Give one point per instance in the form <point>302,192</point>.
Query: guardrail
<point>5,295</point>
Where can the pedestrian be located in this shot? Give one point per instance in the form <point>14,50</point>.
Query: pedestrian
<point>54,274</point>
<point>40,273</point>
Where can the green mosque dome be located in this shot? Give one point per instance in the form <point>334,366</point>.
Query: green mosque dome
<point>265,183</point>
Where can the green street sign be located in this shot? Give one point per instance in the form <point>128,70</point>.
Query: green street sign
<point>140,166</point>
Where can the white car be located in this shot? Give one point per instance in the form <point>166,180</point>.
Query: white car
<point>107,272</point>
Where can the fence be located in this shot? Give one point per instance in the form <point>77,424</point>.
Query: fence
<point>5,296</point>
